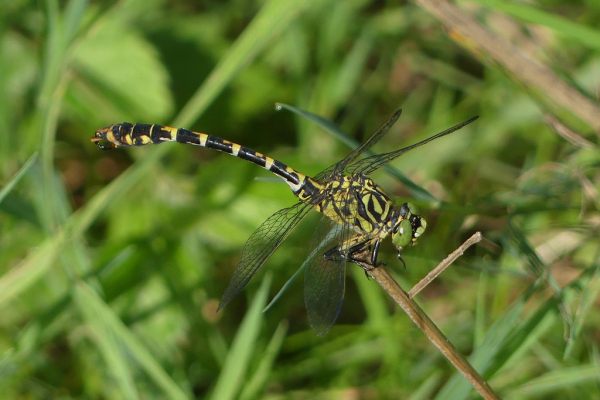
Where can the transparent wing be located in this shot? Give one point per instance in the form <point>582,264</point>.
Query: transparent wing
<point>324,279</point>
<point>340,166</point>
<point>261,244</point>
<point>368,165</point>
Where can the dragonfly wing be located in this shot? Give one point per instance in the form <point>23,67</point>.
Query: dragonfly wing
<point>261,244</point>
<point>324,279</point>
<point>369,165</point>
<point>340,166</point>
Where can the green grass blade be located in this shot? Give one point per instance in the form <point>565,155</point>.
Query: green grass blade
<point>31,269</point>
<point>15,179</point>
<point>426,390</point>
<point>324,123</point>
<point>41,259</point>
<point>111,323</point>
<point>272,19</point>
<point>258,380</point>
<point>458,387</point>
<point>74,14</point>
<point>237,361</point>
<point>537,267</point>
<point>116,364</point>
<point>588,299</point>
<point>566,378</point>
<point>51,92</point>
<point>287,285</point>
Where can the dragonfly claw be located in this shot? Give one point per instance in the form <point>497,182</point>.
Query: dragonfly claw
<point>401,259</point>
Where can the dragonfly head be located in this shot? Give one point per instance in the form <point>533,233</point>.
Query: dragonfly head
<point>408,228</point>
<point>105,138</point>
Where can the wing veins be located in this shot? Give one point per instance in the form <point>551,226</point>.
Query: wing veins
<point>324,280</point>
<point>340,166</point>
<point>371,164</point>
<point>261,244</point>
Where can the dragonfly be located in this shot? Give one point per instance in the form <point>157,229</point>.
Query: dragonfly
<point>357,214</point>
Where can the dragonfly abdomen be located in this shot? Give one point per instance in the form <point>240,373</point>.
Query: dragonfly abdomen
<point>127,134</point>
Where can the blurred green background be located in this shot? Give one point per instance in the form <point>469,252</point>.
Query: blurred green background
<point>112,263</point>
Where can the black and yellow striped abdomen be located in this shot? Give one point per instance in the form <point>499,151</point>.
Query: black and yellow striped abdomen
<point>127,134</point>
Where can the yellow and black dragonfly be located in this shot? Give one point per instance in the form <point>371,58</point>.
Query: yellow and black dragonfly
<point>358,215</point>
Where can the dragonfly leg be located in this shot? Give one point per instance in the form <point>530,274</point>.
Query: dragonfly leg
<point>353,247</point>
<point>337,254</point>
<point>365,254</point>
<point>375,253</point>
<point>401,259</point>
<point>334,254</point>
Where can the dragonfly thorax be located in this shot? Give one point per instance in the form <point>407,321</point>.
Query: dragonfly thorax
<point>358,201</point>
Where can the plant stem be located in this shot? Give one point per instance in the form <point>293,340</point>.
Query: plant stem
<point>382,276</point>
<point>476,238</point>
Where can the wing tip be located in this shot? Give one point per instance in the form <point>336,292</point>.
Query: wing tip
<point>229,295</point>
<point>394,117</point>
<point>223,303</point>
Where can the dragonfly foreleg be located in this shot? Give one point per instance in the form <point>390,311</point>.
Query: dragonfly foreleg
<point>358,250</point>
<point>348,250</point>
<point>365,254</point>
<point>334,254</point>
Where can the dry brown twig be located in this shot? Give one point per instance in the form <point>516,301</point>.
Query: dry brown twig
<point>565,132</point>
<point>476,238</point>
<point>424,323</point>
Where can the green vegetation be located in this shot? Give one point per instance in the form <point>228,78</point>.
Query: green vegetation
<point>112,263</point>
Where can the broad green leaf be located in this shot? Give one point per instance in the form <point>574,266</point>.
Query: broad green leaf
<point>129,72</point>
